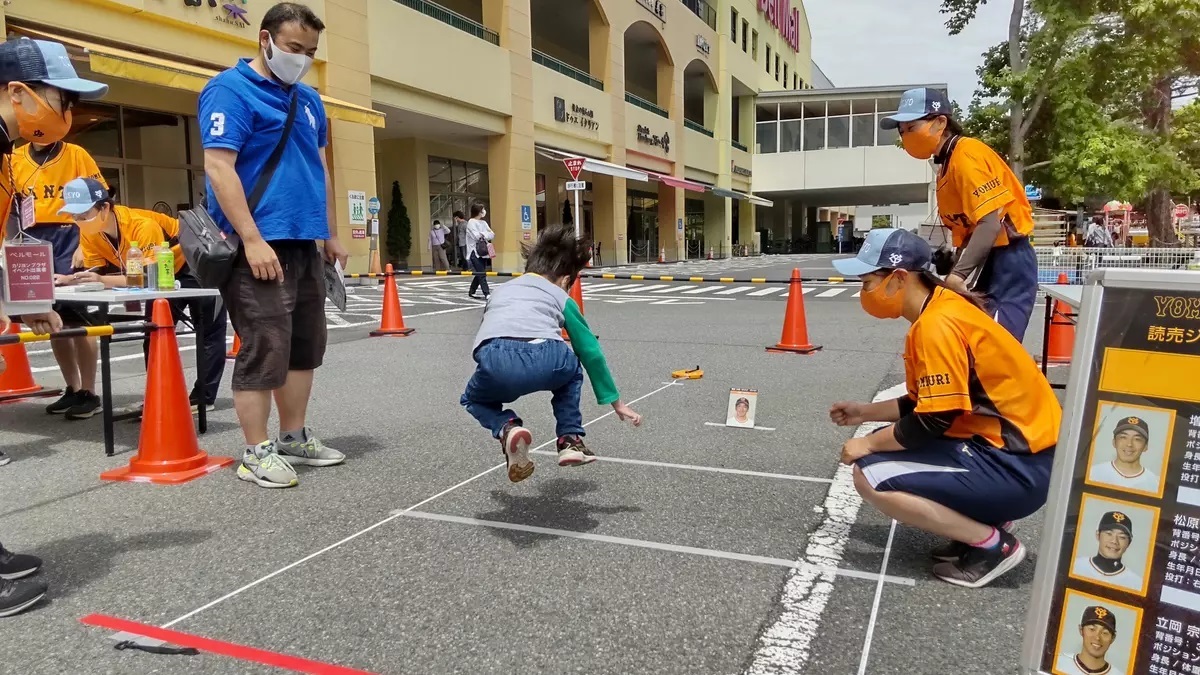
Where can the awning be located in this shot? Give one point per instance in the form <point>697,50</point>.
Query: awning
<point>734,194</point>
<point>127,65</point>
<point>595,165</point>
<point>680,183</point>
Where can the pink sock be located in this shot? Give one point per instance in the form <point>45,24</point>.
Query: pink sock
<point>991,541</point>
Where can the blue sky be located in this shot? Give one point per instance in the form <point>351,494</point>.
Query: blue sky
<point>860,43</point>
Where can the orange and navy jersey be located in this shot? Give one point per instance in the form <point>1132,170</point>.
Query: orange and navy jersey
<point>99,250</point>
<point>977,181</point>
<point>958,359</point>
<point>44,182</point>
<point>169,226</point>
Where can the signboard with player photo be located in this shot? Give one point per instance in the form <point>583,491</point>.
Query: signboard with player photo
<point>742,406</point>
<point>1117,586</point>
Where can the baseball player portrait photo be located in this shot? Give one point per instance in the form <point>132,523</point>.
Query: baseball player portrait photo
<point>1139,440</point>
<point>1097,631</point>
<point>1113,545</point>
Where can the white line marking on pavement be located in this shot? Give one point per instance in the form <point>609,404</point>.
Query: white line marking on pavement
<point>701,289</point>
<point>766,291</point>
<point>784,646</point>
<point>634,289</point>
<point>887,553</point>
<point>642,543</point>
<point>390,518</point>
<point>665,289</point>
<point>598,287</point>
<point>833,292</point>
<point>696,467</point>
<point>734,290</point>
<point>722,424</point>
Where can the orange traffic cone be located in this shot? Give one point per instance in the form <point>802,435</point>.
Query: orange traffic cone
<point>710,253</point>
<point>391,324</point>
<point>591,253</point>
<point>1062,331</point>
<point>16,378</point>
<point>662,255</point>
<point>237,347</point>
<point>168,451</point>
<point>795,325</point>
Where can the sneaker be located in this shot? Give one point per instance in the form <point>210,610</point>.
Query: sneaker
<point>572,452</point>
<point>954,550</point>
<point>88,405</point>
<point>311,452</point>
<point>265,467</point>
<point>17,565</point>
<point>18,596</point>
<point>980,566</point>
<point>67,401</point>
<point>194,399</point>
<point>4,459</point>
<point>516,441</point>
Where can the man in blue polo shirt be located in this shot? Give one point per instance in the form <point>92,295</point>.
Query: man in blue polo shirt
<point>276,293</point>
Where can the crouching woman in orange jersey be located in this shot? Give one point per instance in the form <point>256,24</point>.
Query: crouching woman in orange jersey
<point>972,443</point>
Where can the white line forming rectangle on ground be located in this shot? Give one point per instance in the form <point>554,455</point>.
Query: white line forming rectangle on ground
<point>866,650</point>
<point>785,646</point>
<point>642,543</point>
<point>696,467</point>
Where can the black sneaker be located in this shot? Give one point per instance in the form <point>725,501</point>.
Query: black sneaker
<point>194,400</point>
<point>88,405</point>
<point>68,400</point>
<point>980,566</point>
<point>18,596</point>
<point>954,550</point>
<point>17,565</point>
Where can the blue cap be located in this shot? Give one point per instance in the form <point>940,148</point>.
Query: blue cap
<point>81,194</point>
<point>26,60</point>
<point>917,104</point>
<point>888,249</point>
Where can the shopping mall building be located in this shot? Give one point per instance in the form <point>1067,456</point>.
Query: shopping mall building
<point>668,101</point>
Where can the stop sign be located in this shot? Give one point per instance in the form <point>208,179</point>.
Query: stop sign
<point>1181,210</point>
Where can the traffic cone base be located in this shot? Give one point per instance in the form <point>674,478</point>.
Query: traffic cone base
<point>1062,331</point>
<point>391,324</point>
<point>16,381</point>
<point>168,451</point>
<point>795,326</point>
<point>237,347</point>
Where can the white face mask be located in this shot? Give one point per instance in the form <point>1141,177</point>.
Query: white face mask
<point>289,68</point>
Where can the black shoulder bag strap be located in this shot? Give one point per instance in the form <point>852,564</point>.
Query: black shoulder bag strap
<point>264,178</point>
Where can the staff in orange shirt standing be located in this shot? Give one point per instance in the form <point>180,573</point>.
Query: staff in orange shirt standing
<point>972,444</point>
<point>983,205</point>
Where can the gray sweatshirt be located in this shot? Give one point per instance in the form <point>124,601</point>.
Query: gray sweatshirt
<point>526,307</point>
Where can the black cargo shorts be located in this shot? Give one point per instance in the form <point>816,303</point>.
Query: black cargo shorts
<point>281,325</point>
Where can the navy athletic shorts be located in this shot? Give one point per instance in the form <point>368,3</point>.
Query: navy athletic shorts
<point>980,482</point>
<point>63,239</point>
<point>1009,281</point>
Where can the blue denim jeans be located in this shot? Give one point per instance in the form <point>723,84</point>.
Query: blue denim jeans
<point>509,369</point>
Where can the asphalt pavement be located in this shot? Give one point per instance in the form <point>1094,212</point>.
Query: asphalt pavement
<point>689,548</point>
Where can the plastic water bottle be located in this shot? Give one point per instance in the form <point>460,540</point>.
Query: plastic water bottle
<point>150,267</point>
<point>134,276</point>
<point>166,268</point>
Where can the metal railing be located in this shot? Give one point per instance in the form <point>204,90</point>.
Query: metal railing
<point>739,146</point>
<point>452,19</point>
<point>645,105</point>
<point>543,59</point>
<point>1077,261</point>
<point>694,126</point>
<point>703,10</point>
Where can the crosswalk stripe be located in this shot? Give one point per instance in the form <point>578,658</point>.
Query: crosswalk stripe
<point>766,291</point>
<point>857,294</point>
<point>699,290</point>
<point>833,292</point>
<point>633,289</point>
<point>664,289</point>
<point>734,290</point>
<point>598,287</point>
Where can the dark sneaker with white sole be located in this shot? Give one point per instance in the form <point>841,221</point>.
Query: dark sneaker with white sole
<point>953,550</point>
<point>68,400</point>
<point>18,596</point>
<point>981,566</point>
<point>87,406</point>
<point>572,452</point>
<point>17,565</point>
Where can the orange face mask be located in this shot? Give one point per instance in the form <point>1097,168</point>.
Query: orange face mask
<point>42,124</point>
<point>92,225</point>
<point>922,141</point>
<point>883,305</point>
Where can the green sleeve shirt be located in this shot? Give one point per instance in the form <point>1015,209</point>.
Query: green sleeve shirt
<point>587,348</point>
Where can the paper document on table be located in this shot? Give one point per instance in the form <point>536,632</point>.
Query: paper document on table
<point>335,284</point>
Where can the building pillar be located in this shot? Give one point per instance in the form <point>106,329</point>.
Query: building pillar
<point>404,161</point>
<point>746,224</point>
<point>609,218</point>
<point>351,155</point>
<point>511,158</point>
<point>718,227</point>
<point>670,212</point>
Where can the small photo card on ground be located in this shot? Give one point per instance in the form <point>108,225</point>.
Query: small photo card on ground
<point>1096,635</point>
<point>1130,446</point>
<point>1114,543</point>
<point>742,405</point>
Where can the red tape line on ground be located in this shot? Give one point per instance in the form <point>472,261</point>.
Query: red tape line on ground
<point>217,647</point>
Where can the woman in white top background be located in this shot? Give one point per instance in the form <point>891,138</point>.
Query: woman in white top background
<point>479,233</point>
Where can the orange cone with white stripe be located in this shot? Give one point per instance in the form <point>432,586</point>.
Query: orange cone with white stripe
<point>16,377</point>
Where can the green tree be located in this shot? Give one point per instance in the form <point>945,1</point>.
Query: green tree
<point>399,228</point>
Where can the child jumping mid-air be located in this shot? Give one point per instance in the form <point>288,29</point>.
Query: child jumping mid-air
<point>520,350</point>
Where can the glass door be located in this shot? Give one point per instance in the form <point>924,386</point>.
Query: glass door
<point>114,176</point>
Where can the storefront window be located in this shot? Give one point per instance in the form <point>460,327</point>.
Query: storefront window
<point>453,186</point>
<point>642,229</point>
<point>97,127</point>
<point>155,138</point>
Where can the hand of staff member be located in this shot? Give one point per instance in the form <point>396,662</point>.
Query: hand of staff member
<point>982,203</point>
